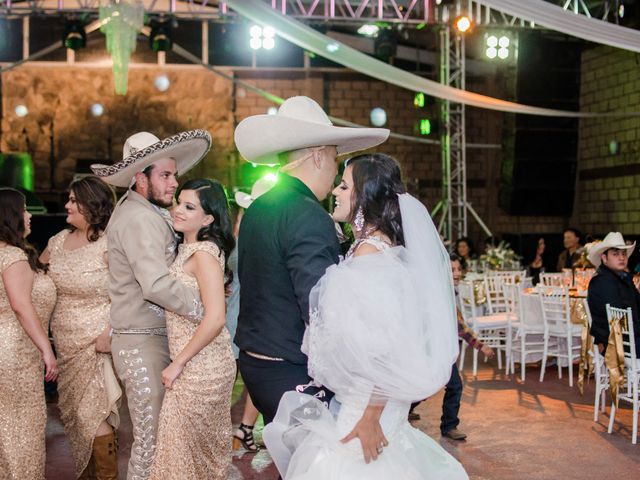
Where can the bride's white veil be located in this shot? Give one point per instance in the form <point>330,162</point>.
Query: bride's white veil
<point>430,268</point>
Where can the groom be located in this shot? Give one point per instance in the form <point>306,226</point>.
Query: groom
<point>287,241</point>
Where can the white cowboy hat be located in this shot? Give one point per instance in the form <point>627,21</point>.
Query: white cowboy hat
<point>612,240</point>
<point>300,123</point>
<point>143,148</point>
<point>262,185</point>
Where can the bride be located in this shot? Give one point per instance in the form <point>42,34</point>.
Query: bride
<point>382,334</point>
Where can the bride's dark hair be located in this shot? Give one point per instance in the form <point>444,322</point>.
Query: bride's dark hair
<point>377,182</point>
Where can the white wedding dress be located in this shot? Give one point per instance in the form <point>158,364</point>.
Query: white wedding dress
<point>381,330</point>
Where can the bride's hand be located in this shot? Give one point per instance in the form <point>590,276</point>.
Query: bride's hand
<point>370,433</point>
<point>170,374</point>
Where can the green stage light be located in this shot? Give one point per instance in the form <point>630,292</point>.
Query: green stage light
<point>418,100</point>
<point>425,126</point>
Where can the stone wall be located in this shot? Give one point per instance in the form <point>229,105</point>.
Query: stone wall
<point>61,97</point>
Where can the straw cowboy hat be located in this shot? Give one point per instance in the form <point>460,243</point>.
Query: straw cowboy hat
<point>143,148</point>
<point>300,123</point>
<point>612,240</point>
<point>263,185</point>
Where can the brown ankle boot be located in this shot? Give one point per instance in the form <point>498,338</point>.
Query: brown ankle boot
<point>105,454</point>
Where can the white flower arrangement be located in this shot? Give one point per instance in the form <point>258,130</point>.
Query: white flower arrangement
<point>500,257</point>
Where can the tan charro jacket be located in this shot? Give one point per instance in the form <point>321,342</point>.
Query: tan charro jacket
<point>141,247</point>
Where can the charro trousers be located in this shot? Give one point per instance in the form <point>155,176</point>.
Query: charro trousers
<point>139,361</point>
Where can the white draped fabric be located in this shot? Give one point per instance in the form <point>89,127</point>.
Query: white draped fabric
<point>309,39</point>
<point>556,18</point>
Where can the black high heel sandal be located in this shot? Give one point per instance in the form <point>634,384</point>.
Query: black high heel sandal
<point>246,440</point>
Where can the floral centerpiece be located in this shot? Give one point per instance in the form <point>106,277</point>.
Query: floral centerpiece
<point>500,257</point>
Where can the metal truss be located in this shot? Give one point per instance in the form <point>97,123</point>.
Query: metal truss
<point>408,12</point>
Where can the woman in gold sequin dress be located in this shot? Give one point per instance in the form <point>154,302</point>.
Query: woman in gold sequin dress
<point>80,327</point>
<point>27,297</point>
<point>194,436</point>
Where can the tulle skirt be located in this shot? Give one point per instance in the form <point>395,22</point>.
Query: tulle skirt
<point>304,441</point>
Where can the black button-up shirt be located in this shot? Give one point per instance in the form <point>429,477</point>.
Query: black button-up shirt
<point>286,242</point>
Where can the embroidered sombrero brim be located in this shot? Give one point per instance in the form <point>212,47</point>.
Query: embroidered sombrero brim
<point>187,148</point>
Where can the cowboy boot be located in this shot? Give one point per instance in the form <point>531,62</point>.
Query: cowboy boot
<point>105,454</point>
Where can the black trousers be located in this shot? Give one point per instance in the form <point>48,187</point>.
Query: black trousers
<point>268,380</point>
<point>451,401</point>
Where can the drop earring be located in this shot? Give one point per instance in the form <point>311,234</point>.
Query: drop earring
<point>358,221</point>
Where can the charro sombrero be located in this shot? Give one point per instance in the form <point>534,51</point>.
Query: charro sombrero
<point>143,148</point>
<point>262,185</point>
<point>612,240</point>
<point>299,123</point>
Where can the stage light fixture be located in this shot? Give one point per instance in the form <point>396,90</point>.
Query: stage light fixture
<point>160,38</point>
<point>97,109</point>
<point>497,47</point>
<point>378,117</point>
<point>74,36</point>
<point>369,30</point>
<point>262,37</point>
<point>385,44</point>
<point>463,23</point>
<point>21,111</point>
<point>162,83</point>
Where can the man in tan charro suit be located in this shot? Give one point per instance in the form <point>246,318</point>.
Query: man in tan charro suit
<point>141,247</point>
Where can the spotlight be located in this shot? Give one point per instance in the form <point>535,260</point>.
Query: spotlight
<point>463,23</point>
<point>262,37</point>
<point>497,47</point>
<point>21,111</point>
<point>97,109</point>
<point>160,39</point>
<point>162,83</point>
<point>272,110</point>
<point>378,117</point>
<point>74,35</point>
<point>369,30</point>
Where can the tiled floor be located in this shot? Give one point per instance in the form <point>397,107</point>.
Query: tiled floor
<point>516,431</point>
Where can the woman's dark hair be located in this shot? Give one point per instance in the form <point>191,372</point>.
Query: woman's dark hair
<point>377,182</point>
<point>213,199</point>
<point>469,243</point>
<point>95,200</point>
<point>12,227</point>
<point>577,233</point>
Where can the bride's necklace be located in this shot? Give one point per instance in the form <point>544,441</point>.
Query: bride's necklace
<point>366,235</point>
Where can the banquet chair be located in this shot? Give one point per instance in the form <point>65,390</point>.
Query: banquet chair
<point>491,329</point>
<point>526,335</point>
<point>631,366</point>
<point>496,302</point>
<point>552,279</point>
<point>559,332</point>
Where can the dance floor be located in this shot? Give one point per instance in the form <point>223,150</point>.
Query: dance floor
<point>516,431</point>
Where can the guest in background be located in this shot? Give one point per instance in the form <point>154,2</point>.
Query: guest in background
<point>537,265</point>
<point>27,298</point>
<point>572,240</point>
<point>465,251</point>
<point>89,393</point>
<point>612,285</point>
<point>243,436</point>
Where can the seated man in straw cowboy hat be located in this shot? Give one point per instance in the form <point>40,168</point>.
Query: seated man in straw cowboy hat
<point>141,247</point>
<point>287,241</point>
<point>612,285</point>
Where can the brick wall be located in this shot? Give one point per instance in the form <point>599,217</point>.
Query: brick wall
<point>608,185</point>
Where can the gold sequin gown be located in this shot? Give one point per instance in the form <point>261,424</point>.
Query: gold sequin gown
<point>194,436</point>
<point>23,414</point>
<point>81,314</point>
